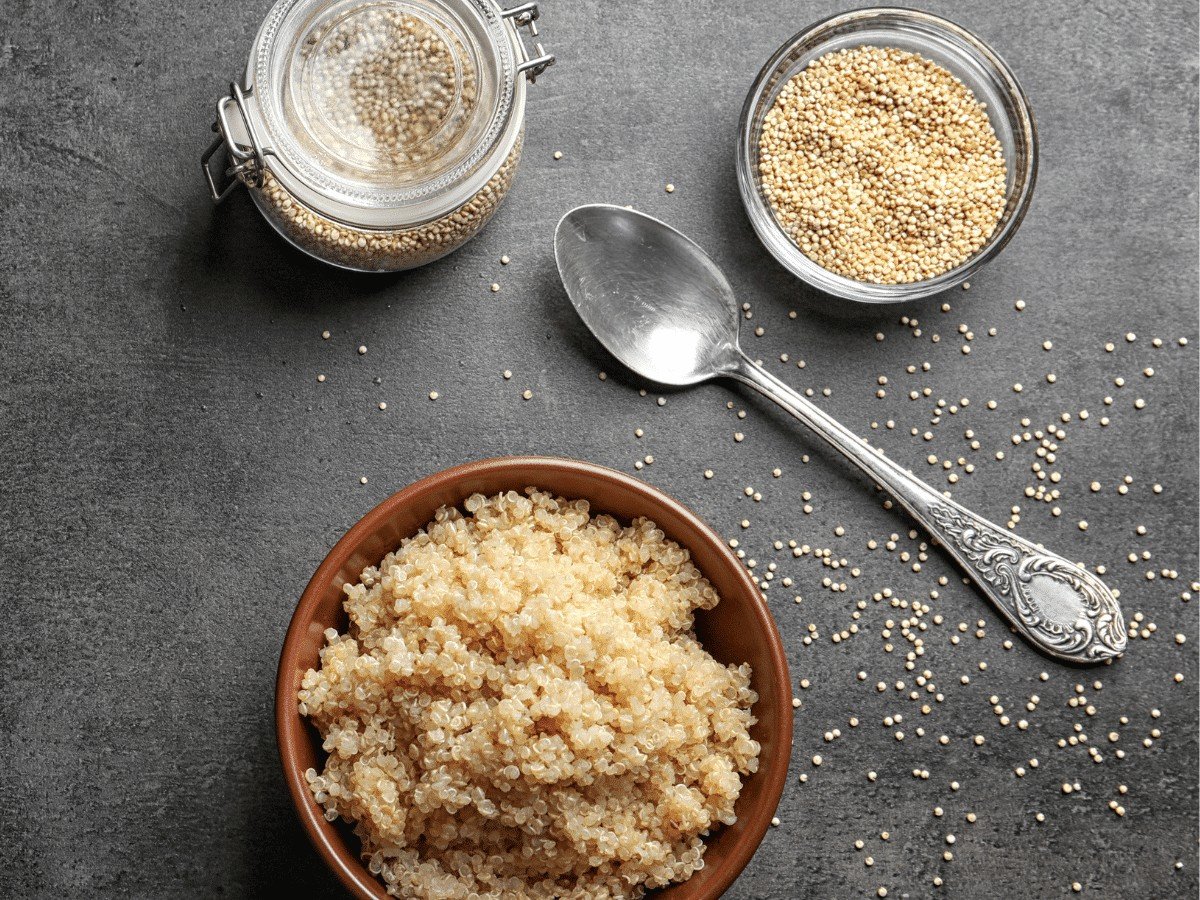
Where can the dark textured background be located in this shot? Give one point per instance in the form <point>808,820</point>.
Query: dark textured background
<point>173,472</point>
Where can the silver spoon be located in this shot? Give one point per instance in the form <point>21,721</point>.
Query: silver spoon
<point>663,308</point>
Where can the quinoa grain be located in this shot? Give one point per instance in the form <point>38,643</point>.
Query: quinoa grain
<point>882,166</point>
<point>467,738</point>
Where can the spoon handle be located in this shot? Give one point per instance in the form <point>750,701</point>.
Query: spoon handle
<point>1058,606</point>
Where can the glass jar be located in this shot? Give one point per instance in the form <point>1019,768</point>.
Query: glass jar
<point>378,135</point>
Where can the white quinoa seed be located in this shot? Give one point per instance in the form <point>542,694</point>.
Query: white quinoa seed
<point>386,250</point>
<point>825,141</point>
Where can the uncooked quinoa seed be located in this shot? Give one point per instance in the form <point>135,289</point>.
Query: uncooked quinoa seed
<point>361,248</point>
<point>882,166</point>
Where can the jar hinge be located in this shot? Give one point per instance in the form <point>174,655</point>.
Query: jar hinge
<point>246,163</point>
<point>526,16</point>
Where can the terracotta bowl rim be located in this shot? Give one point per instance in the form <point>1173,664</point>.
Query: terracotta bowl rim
<point>291,728</point>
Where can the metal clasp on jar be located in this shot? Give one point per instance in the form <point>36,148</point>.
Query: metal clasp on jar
<point>526,16</point>
<point>246,161</point>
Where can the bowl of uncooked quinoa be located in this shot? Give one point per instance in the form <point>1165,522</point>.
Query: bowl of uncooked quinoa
<point>886,155</point>
<point>533,677</point>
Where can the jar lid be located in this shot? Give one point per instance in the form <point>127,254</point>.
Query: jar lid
<point>383,104</point>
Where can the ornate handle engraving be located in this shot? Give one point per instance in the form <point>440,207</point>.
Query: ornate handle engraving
<point>1056,605</point>
<point>1059,606</point>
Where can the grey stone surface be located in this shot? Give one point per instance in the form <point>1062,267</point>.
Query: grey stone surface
<point>173,472</point>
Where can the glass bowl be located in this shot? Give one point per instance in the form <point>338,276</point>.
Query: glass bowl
<point>948,45</point>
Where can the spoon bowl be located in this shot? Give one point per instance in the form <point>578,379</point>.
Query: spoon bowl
<point>658,303</point>
<point>650,295</point>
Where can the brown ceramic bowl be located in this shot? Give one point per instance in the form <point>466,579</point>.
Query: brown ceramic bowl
<point>740,629</point>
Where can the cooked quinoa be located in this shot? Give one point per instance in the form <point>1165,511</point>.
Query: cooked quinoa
<point>521,708</point>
